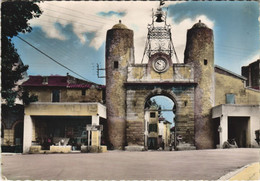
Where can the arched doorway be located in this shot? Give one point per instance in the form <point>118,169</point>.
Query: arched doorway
<point>2,133</point>
<point>18,133</point>
<point>159,111</point>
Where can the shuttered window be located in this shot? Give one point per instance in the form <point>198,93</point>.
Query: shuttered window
<point>230,99</point>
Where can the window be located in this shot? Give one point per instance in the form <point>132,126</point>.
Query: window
<point>152,128</point>
<point>45,80</point>
<point>115,64</point>
<point>205,62</point>
<point>152,114</point>
<point>83,92</point>
<point>56,96</point>
<point>230,99</point>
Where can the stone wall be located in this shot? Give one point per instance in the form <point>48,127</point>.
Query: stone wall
<point>10,117</point>
<point>8,137</point>
<point>74,95</point>
<point>231,85</point>
<point>183,97</point>
<point>68,95</point>
<point>175,73</point>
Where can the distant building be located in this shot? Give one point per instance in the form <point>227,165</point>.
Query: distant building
<point>153,129</point>
<point>252,73</point>
<point>56,88</point>
<point>158,130</point>
<point>164,131</point>
<point>65,106</point>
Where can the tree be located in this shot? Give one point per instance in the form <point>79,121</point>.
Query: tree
<point>14,19</point>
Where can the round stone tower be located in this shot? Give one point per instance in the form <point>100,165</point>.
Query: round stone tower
<point>200,52</point>
<point>119,54</point>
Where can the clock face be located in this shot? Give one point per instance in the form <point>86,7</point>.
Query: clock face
<point>160,64</point>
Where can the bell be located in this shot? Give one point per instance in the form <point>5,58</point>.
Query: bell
<point>159,15</point>
<point>159,18</point>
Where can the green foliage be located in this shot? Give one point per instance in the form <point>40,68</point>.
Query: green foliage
<point>14,19</point>
<point>15,16</point>
<point>28,98</point>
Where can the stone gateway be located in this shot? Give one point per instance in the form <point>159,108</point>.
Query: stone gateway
<point>190,85</point>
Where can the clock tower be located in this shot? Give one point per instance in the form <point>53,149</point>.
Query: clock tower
<point>130,85</point>
<point>159,50</point>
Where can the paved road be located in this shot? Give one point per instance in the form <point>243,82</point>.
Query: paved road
<point>181,165</point>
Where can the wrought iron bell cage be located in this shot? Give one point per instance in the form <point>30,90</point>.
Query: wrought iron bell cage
<point>159,36</point>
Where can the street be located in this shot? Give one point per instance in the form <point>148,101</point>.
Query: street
<point>149,165</point>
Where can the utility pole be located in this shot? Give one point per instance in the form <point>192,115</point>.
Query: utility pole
<point>98,71</point>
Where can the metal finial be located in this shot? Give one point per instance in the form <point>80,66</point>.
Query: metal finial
<point>162,2</point>
<point>199,21</point>
<point>120,21</point>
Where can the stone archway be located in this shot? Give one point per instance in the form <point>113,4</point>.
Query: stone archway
<point>158,126</point>
<point>137,96</point>
<point>18,132</point>
<point>163,92</point>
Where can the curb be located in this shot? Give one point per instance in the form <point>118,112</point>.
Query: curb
<point>4,178</point>
<point>235,172</point>
<point>10,154</point>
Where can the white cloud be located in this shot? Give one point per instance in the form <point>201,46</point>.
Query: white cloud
<point>83,17</point>
<point>251,59</point>
<point>179,32</point>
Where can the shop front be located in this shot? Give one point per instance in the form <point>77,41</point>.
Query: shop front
<point>62,126</point>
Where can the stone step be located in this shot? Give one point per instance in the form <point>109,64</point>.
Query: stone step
<point>185,146</point>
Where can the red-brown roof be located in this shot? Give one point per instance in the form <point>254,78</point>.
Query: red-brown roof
<point>85,86</point>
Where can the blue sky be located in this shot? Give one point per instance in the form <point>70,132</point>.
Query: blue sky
<point>74,33</point>
<point>166,105</point>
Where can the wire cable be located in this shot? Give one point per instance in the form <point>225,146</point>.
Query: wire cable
<point>72,21</point>
<point>84,13</point>
<point>75,16</point>
<point>52,59</point>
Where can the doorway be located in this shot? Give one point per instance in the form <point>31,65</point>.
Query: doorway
<point>18,137</point>
<point>159,123</point>
<point>216,130</point>
<point>238,129</point>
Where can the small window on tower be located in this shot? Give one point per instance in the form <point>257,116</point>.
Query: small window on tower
<point>205,61</point>
<point>115,64</point>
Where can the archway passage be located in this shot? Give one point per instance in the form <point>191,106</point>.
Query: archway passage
<point>18,137</point>
<point>159,123</point>
<point>2,133</point>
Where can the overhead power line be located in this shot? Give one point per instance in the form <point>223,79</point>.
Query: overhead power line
<point>84,13</point>
<point>52,59</point>
<point>75,16</point>
<point>52,24</point>
<point>73,21</point>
